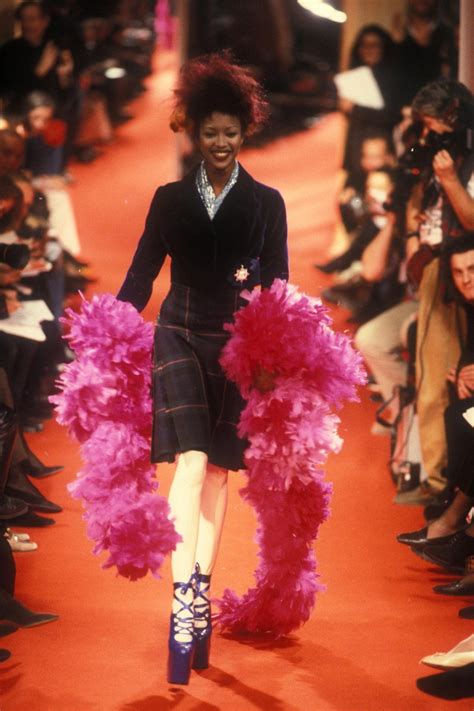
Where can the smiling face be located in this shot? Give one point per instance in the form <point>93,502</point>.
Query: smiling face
<point>462,270</point>
<point>219,140</point>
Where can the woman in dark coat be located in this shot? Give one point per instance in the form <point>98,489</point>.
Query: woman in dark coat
<point>373,48</point>
<point>224,232</point>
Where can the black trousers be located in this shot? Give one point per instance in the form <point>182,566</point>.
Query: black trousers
<point>460,439</point>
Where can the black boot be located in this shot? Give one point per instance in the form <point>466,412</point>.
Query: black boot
<point>9,507</point>
<point>13,611</point>
<point>31,520</point>
<point>19,486</point>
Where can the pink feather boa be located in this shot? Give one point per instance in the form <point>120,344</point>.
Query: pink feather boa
<point>291,429</point>
<point>105,402</point>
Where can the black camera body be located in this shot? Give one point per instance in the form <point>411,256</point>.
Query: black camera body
<point>417,164</point>
<point>14,255</point>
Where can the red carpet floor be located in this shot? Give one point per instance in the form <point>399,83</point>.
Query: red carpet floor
<point>361,648</point>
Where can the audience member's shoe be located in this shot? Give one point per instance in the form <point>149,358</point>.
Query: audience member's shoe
<point>463,587</point>
<point>4,655</point>
<point>346,296</point>
<point>75,261</point>
<point>87,154</point>
<point>376,397</point>
<point>20,486</point>
<point>31,520</point>
<point>451,554</point>
<point>459,656</point>
<point>10,507</point>
<point>38,411</point>
<point>121,117</point>
<point>36,502</point>
<point>422,495</point>
<point>467,613</point>
<point>343,261</point>
<point>377,429</point>
<point>39,472</point>
<point>14,611</point>
<point>419,539</point>
<point>7,628</point>
<point>20,542</point>
<point>30,424</point>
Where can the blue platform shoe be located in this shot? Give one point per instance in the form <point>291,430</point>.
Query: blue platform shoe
<point>181,651</point>
<point>202,620</point>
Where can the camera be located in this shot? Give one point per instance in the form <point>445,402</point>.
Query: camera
<point>353,212</point>
<point>15,256</point>
<point>417,164</point>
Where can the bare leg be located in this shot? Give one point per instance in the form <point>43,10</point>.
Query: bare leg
<point>211,520</point>
<point>185,503</point>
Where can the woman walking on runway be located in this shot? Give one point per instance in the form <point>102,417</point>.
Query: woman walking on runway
<point>224,232</point>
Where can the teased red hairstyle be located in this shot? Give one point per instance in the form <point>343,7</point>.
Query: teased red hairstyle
<point>214,83</point>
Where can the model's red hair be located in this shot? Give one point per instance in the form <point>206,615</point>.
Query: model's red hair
<point>215,83</point>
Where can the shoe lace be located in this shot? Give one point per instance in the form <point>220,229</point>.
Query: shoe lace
<point>202,603</point>
<point>183,619</point>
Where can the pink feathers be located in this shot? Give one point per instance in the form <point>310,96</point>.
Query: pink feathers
<point>281,339</point>
<point>105,402</point>
<point>291,430</point>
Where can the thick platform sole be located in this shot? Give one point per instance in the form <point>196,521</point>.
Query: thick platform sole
<point>179,667</point>
<point>202,651</point>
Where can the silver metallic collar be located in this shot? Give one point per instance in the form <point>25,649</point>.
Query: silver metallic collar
<point>212,202</point>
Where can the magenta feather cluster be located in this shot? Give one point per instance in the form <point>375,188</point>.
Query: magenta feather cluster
<point>105,402</point>
<point>291,428</point>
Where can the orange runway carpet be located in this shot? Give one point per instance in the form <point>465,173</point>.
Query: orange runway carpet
<point>378,617</point>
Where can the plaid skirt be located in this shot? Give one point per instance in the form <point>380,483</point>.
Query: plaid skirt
<point>194,405</point>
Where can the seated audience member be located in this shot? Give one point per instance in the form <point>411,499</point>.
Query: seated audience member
<point>376,152</point>
<point>44,144</point>
<point>367,288</point>
<point>443,541</point>
<point>39,61</point>
<point>43,159</point>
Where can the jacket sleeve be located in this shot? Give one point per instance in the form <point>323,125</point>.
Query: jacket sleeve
<point>274,255</point>
<point>147,261</point>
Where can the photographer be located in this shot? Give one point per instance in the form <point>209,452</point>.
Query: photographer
<point>441,208</point>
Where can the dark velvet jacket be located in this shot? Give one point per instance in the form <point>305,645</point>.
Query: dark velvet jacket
<point>249,230</point>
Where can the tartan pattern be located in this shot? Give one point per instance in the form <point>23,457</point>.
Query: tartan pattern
<point>194,405</point>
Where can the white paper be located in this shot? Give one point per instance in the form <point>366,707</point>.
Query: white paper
<point>359,86</point>
<point>469,416</point>
<point>26,320</point>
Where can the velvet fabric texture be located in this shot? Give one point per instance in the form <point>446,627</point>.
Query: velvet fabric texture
<point>248,230</point>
